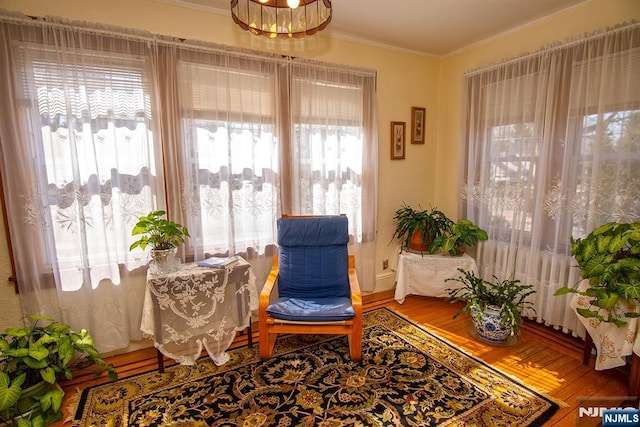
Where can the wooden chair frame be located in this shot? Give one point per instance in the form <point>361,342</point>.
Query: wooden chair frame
<point>269,327</point>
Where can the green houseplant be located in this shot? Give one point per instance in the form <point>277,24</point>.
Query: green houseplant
<point>162,235</point>
<point>158,232</point>
<point>417,228</point>
<point>609,258</point>
<point>495,306</point>
<point>33,358</point>
<point>457,237</point>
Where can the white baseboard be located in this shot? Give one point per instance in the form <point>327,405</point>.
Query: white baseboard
<point>385,281</point>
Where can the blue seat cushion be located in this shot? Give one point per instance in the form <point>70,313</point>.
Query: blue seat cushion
<point>311,310</point>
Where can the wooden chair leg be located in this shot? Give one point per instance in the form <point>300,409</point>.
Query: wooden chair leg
<point>266,349</point>
<point>267,344</point>
<point>355,345</point>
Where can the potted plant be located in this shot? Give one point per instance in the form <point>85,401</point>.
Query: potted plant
<point>416,228</point>
<point>609,262</point>
<point>162,235</point>
<point>495,307</point>
<point>32,360</point>
<point>458,237</point>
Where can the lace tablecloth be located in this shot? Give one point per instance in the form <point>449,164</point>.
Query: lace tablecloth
<point>426,275</point>
<point>198,307</point>
<point>613,343</point>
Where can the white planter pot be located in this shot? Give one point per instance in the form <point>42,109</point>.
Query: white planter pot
<point>488,325</point>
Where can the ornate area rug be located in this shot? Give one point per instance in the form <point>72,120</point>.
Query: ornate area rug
<point>407,377</point>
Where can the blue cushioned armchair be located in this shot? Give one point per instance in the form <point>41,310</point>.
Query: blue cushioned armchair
<point>312,287</point>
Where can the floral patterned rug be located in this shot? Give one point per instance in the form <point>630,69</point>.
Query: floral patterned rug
<point>407,377</point>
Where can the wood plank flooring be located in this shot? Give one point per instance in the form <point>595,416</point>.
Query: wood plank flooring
<point>546,360</point>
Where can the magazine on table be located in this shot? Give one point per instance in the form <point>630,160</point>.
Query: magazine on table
<point>220,262</point>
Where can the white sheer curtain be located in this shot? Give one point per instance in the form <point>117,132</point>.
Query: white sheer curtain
<point>332,168</point>
<point>80,164</point>
<point>103,125</point>
<point>552,150</point>
<point>223,146</point>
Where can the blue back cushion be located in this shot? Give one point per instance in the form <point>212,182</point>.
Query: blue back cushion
<point>313,259</point>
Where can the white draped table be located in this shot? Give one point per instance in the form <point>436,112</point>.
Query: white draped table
<point>198,307</point>
<point>613,343</point>
<point>426,274</point>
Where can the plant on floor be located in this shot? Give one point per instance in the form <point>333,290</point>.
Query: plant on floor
<point>506,297</point>
<point>458,237</point>
<point>37,357</point>
<point>609,258</point>
<point>417,228</point>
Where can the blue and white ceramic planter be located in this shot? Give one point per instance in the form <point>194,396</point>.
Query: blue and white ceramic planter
<point>488,324</point>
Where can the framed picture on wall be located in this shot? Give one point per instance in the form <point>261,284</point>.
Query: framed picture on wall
<point>397,140</point>
<point>417,125</point>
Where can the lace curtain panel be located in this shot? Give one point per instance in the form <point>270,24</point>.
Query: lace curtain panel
<point>109,124</point>
<point>552,144</point>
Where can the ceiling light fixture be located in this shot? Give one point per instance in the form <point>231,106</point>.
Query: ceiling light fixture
<point>282,18</point>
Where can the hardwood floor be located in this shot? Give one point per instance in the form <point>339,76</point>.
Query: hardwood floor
<point>548,361</point>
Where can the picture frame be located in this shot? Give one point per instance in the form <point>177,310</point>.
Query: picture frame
<point>397,140</point>
<point>417,124</point>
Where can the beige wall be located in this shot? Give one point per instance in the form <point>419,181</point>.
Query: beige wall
<point>428,175</point>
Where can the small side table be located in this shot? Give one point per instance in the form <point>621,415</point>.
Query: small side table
<point>426,274</point>
<point>198,307</point>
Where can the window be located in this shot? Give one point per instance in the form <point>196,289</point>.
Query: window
<point>230,124</point>
<point>89,118</point>
<point>552,146</point>
<point>612,188</point>
<point>328,142</point>
<point>103,125</point>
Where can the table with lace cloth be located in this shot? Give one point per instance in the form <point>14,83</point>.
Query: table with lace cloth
<point>198,307</point>
<point>426,274</point>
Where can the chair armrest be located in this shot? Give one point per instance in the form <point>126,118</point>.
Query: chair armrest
<point>356,293</point>
<point>269,285</point>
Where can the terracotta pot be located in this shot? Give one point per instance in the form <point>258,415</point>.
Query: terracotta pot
<point>417,244</point>
<point>460,249</point>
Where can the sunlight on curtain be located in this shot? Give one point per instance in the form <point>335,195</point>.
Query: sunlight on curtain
<point>110,124</point>
<point>552,146</point>
<point>85,169</point>
<point>229,122</point>
<point>334,153</point>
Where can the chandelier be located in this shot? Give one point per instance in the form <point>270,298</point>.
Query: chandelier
<point>282,18</point>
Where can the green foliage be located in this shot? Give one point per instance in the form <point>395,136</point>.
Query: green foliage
<point>509,296</point>
<point>458,236</point>
<point>46,351</point>
<point>407,220</point>
<point>609,257</point>
<point>158,232</point>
